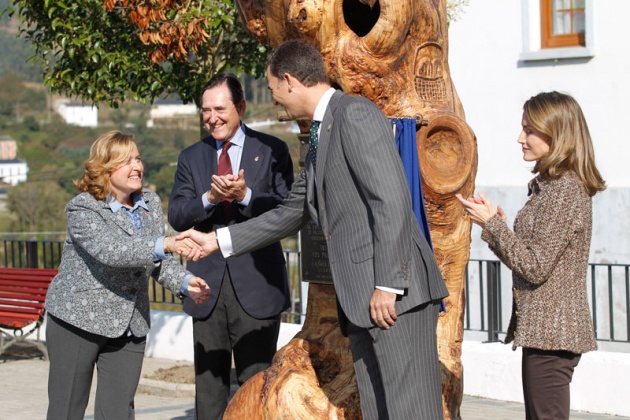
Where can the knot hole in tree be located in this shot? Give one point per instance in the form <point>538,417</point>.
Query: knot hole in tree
<point>360,17</point>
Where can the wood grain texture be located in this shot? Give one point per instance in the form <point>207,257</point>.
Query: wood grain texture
<point>395,53</point>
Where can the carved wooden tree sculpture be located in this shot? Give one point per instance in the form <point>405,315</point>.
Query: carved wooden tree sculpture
<point>393,52</point>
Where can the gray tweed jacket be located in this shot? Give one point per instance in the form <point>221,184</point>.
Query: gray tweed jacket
<point>102,284</point>
<point>548,255</point>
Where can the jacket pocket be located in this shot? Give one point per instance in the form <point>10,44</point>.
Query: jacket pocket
<point>362,253</point>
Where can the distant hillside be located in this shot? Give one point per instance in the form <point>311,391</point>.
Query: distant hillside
<point>14,52</point>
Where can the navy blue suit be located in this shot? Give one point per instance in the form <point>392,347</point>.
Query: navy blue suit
<point>254,284</point>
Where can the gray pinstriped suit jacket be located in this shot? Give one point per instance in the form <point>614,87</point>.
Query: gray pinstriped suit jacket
<point>102,284</point>
<point>363,204</point>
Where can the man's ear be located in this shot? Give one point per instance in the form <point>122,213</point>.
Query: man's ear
<point>286,77</point>
<point>290,80</point>
<point>241,107</point>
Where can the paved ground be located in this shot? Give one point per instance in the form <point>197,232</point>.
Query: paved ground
<point>23,396</point>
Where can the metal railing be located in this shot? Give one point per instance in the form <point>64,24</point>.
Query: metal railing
<point>30,253</point>
<point>488,290</point>
<point>488,295</point>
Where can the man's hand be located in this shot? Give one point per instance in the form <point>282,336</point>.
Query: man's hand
<point>198,290</point>
<point>230,186</point>
<point>383,309</point>
<point>187,248</point>
<point>206,241</point>
<point>215,196</point>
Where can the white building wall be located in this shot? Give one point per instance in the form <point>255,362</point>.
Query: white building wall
<point>172,110</point>
<point>487,44</point>
<point>13,172</point>
<point>82,116</point>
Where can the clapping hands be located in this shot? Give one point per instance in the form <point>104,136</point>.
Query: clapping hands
<point>480,209</point>
<point>230,186</point>
<point>227,187</point>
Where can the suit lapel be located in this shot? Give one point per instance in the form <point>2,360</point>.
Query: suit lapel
<point>120,218</point>
<point>251,159</point>
<point>149,217</point>
<point>322,152</point>
<point>208,161</point>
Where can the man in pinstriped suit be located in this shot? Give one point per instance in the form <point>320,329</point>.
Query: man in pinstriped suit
<point>387,281</point>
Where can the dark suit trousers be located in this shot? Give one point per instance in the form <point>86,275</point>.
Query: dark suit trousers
<point>73,354</point>
<point>546,383</point>
<point>398,371</point>
<point>229,329</point>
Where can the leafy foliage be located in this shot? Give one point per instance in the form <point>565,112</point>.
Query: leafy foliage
<point>454,8</point>
<point>98,55</point>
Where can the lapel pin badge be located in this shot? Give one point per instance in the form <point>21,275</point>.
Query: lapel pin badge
<point>256,159</point>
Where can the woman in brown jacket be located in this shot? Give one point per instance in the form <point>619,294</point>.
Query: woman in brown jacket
<point>548,251</point>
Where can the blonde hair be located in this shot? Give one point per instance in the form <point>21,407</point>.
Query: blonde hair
<point>559,116</point>
<point>109,152</point>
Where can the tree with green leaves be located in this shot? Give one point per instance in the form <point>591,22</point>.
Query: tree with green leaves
<point>113,50</point>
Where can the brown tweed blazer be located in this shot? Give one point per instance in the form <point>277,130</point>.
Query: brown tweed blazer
<point>548,255</point>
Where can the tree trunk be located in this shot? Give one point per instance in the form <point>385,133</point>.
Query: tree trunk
<point>312,377</point>
<point>393,52</point>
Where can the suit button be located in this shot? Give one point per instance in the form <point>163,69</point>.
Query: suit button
<point>328,237</point>
<point>133,290</point>
<point>137,273</point>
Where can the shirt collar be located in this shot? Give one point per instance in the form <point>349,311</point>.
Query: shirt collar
<point>138,201</point>
<point>237,140</point>
<point>320,110</point>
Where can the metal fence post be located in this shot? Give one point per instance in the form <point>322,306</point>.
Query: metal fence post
<point>493,299</point>
<point>32,260</point>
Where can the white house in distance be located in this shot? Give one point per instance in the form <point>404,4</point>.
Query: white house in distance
<point>502,52</point>
<point>12,170</point>
<point>173,113</point>
<point>76,113</point>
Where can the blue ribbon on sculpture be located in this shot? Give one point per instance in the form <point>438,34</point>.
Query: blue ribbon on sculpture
<point>407,149</point>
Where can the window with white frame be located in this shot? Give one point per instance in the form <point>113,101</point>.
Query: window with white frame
<point>570,29</point>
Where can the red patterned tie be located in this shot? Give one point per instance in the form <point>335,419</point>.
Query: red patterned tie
<point>225,168</point>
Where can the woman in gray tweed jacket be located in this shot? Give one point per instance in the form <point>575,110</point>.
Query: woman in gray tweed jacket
<point>98,304</point>
<point>548,251</point>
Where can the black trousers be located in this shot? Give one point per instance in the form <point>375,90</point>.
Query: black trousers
<point>546,383</point>
<point>73,355</point>
<point>227,331</point>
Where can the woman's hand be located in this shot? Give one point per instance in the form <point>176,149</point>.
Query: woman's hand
<point>207,243</point>
<point>480,209</point>
<point>198,290</point>
<point>186,247</point>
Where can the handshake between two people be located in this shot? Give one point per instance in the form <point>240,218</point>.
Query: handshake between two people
<point>192,244</point>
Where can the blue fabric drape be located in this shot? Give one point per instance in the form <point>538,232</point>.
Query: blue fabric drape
<point>407,149</point>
